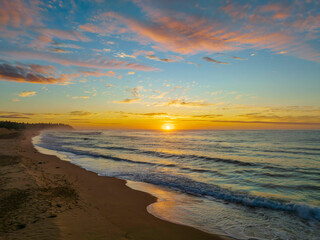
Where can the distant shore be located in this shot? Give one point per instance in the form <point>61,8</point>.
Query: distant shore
<point>43,197</point>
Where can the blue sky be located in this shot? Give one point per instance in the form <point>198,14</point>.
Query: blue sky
<point>142,64</point>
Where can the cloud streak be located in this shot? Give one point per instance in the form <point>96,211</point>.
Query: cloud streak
<point>209,59</point>
<point>28,74</point>
<point>270,26</point>
<point>27,94</point>
<point>99,63</point>
<point>154,57</point>
<point>128,100</point>
<point>183,103</point>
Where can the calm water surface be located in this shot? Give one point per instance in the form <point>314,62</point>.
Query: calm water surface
<point>244,184</point>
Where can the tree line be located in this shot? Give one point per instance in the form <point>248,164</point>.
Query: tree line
<point>22,125</point>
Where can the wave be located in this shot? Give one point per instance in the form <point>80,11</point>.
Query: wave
<point>305,148</point>
<point>186,185</point>
<point>54,143</point>
<point>178,156</point>
<point>290,152</point>
<point>85,133</point>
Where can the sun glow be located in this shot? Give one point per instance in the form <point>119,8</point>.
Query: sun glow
<point>167,127</point>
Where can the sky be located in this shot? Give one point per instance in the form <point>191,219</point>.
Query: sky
<point>149,64</point>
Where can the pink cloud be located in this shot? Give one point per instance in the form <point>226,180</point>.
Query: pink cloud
<point>17,13</point>
<point>99,63</point>
<point>261,27</point>
<point>143,52</point>
<point>44,69</point>
<point>63,34</point>
<point>98,74</point>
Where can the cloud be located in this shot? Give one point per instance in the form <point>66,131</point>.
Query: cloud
<point>81,113</point>
<point>151,114</point>
<point>64,45</point>
<point>154,57</point>
<point>128,100</point>
<point>271,117</point>
<point>207,116</point>
<point>98,74</point>
<point>88,27</point>
<point>100,63</point>
<point>82,97</point>
<point>238,26</point>
<point>134,91</point>
<point>4,114</point>
<point>15,100</point>
<point>29,74</point>
<point>193,63</point>
<point>44,69</point>
<point>123,55</point>
<point>209,59</point>
<point>17,13</point>
<point>162,95</point>
<point>182,103</point>
<point>62,34</point>
<point>109,85</point>
<point>58,50</point>
<point>238,58</point>
<point>267,122</point>
<point>27,94</point>
<point>143,52</point>
<point>131,73</point>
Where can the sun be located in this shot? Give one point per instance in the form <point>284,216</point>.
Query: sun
<point>167,127</point>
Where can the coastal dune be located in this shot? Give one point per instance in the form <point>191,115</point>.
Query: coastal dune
<point>43,197</point>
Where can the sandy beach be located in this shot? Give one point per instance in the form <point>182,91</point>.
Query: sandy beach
<point>43,197</point>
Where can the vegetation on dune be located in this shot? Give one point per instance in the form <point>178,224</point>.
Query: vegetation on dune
<point>17,125</point>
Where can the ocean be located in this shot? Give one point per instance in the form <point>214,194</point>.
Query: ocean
<point>252,184</point>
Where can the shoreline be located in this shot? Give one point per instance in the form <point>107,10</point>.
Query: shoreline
<point>105,207</point>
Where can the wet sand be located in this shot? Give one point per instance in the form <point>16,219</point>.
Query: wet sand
<point>43,197</point>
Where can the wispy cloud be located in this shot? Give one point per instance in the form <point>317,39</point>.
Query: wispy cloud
<point>135,92</point>
<point>62,34</point>
<point>258,26</point>
<point>109,85</point>
<point>82,97</point>
<point>154,57</point>
<point>162,95</point>
<point>128,100</point>
<point>44,69</point>
<point>4,114</point>
<point>58,50</point>
<point>123,55</point>
<point>27,94</point>
<point>238,58</point>
<point>82,113</point>
<point>97,73</point>
<point>209,59</point>
<point>183,103</point>
<point>17,13</point>
<point>96,63</point>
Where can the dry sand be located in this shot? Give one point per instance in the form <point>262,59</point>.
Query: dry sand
<point>43,197</point>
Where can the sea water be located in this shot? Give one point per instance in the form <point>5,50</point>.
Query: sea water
<point>243,184</point>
